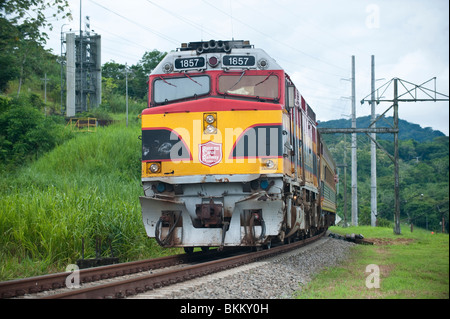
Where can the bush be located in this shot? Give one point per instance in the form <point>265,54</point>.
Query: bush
<point>25,132</point>
<point>383,222</point>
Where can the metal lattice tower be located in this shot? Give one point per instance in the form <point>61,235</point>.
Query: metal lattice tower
<point>83,75</point>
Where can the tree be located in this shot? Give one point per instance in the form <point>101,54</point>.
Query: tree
<point>8,67</point>
<point>113,75</point>
<point>27,51</point>
<point>141,71</point>
<point>21,38</point>
<point>150,60</point>
<point>32,12</point>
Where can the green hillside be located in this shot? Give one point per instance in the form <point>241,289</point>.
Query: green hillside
<point>424,174</point>
<point>407,130</point>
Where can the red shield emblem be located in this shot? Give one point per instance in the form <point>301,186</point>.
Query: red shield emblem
<point>210,153</point>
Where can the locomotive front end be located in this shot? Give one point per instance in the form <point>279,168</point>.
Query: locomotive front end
<point>212,147</point>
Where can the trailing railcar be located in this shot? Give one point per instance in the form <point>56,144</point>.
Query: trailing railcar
<point>231,155</point>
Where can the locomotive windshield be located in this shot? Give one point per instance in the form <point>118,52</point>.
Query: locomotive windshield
<point>172,89</point>
<point>262,86</point>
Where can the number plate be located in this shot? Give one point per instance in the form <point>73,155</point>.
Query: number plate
<point>190,63</point>
<point>238,60</point>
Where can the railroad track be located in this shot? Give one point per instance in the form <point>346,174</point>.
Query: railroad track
<point>139,284</point>
<point>33,285</point>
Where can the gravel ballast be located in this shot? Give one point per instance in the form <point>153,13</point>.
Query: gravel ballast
<point>273,278</point>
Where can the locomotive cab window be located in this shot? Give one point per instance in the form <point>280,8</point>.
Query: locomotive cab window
<point>262,86</point>
<point>173,89</point>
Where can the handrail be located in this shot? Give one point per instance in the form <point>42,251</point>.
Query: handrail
<point>84,124</point>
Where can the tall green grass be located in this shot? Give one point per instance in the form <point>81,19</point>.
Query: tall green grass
<point>88,187</point>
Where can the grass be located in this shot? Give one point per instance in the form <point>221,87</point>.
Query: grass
<point>90,187</point>
<point>412,266</point>
<point>87,187</point>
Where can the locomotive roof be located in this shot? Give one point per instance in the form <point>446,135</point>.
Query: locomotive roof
<point>228,55</point>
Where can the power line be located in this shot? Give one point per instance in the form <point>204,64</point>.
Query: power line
<point>114,51</point>
<point>288,27</point>
<point>297,65</point>
<point>275,40</point>
<point>195,25</point>
<point>317,27</point>
<point>120,37</point>
<point>159,34</point>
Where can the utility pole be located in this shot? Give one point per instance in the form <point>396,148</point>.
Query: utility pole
<point>45,92</point>
<point>62,69</point>
<point>443,219</point>
<point>354,159</point>
<point>397,229</point>
<point>127,71</point>
<point>344,165</point>
<point>412,93</point>
<point>45,87</point>
<point>373,153</point>
<point>345,184</point>
<point>81,61</point>
<point>126,86</point>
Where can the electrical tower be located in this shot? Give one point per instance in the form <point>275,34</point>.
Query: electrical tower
<point>409,92</point>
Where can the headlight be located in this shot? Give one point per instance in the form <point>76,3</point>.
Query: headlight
<point>210,129</point>
<point>263,64</point>
<point>210,123</point>
<point>154,168</point>
<point>168,67</point>
<point>270,164</point>
<point>210,119</point>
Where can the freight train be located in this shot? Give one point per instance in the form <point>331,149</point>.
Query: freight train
<point>231,154</point>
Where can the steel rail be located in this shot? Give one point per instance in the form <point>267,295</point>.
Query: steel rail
<point>32,285</point>
<point>133,286</point>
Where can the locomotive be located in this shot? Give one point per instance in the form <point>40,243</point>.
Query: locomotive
<point>231,154</point>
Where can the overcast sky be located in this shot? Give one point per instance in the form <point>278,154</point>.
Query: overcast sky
<point>312,40</point>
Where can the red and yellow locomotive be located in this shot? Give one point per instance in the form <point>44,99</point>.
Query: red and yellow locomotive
<point>231,155</point>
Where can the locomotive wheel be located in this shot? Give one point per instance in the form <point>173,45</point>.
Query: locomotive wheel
<point>205,248</point>
<point>188,250</point>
